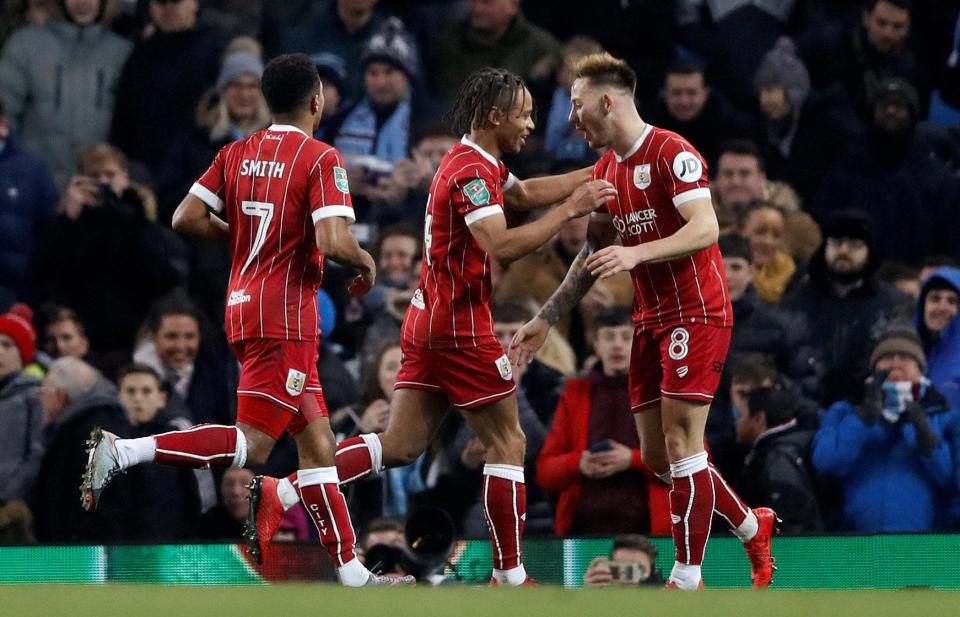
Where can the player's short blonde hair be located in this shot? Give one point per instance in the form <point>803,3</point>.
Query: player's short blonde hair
<point>602,69</point>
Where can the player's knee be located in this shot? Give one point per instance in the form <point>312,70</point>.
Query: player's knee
<point>257,455</point>
<point>654,457</point>
<point>679,444</point>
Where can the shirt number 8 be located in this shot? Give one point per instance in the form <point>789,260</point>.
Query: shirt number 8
<point>679,344</point>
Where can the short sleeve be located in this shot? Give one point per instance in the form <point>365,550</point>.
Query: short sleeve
<point>209,188</point>
<point>476,194</point>
<point>683,172</point>
<point>328,188</point>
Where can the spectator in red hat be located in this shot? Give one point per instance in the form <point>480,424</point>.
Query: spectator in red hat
<point>21,448</point>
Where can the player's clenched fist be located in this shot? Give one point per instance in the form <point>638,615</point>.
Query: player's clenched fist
<point>589,197</point>
<point>365,279</point>
<point>527,341</point>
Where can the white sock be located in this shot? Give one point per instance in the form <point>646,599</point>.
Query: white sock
<point>513,576</point>
<point>748,528</point>
<point>376,453</point>
<point>132,452</point>
<point>685,576</point>
<point>240,458</point>
<point>353,573</point>
<point>287,494</point>
<point>689,466</point>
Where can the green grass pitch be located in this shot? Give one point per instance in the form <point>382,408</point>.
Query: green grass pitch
<point>329,600</point>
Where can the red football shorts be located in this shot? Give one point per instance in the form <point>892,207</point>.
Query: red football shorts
<point>680,361</point>
<point>279,385</point>
<point>471,377</point>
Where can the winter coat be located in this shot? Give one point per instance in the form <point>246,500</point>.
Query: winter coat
<point>558,468</point>
<point>28,199</point>
<point>943,351</point>
<point>21,446</point>
<point>777,473</point>
<point>56,506</point>
<point>888,484</point>
<point>57,83</point>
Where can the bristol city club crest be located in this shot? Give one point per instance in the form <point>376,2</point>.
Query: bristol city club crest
<point>641,176</point>
<point>503,365</point>
<point>295,382</point>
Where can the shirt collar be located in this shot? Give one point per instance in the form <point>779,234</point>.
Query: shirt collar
<point>466,141</point>
<point>285,128</point>
<point>636,145</point>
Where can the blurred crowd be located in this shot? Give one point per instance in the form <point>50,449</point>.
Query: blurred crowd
<point>832,130</point>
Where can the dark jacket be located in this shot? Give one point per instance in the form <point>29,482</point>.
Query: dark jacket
<point>56,504</point>
<point>21,446</point>
<point>777,473</point>
<point>716,123</point>
<point>28,200</point>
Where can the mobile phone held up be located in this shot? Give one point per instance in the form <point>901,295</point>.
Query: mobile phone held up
<point>600,446</point>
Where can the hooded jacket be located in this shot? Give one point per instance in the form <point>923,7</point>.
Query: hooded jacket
<point>21,448</point>
<point>943,350</point>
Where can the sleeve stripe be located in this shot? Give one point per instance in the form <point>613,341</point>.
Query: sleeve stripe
<point>482,213</point>
<point>328,211</point>
<point>682,198</point>
<point>510,183</point>
<point>207,196</point>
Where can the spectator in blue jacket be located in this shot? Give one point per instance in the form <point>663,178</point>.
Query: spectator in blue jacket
<point>27,202</point>
<point>936,321</point>
<point>889,452</point>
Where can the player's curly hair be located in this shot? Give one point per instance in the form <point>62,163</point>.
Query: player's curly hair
<point>288,82</point>
<point>604,70</point>
<point>483,91</point>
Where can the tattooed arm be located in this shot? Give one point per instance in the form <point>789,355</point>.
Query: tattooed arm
<point>574,287</point>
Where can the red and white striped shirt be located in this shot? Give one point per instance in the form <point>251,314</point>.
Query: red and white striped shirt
<point>275,185</point>
<point>659,174</point>
<point>451,307</point>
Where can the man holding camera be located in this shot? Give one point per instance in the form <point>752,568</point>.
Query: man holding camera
<point>888,451</point>
<point>632,561</point>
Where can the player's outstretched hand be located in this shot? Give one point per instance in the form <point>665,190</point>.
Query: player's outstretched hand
<point>608,261</point>
<point>527,341</point>
<point>590,196</point>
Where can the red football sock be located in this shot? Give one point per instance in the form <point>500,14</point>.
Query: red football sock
<point>201,446</point>
<point>328,509</point>
<point>691,508</point>
<point>505,504</point>
<point>729,505</point>
<point>357,456</point>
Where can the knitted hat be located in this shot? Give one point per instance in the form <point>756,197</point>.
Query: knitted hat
<point>18,326</point>
<point>239,63</point>
<point>900,339</point>
<point>394,46</point>
<point>851,223</point>
<point>782,68</point>
<point>895,88</point>
<point>331,68</point>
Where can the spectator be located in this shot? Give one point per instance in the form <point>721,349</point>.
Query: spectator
<point>62,336</point>
<point>878,47</point>
<point>592,453</point>
<point>936,321</point>
<point>628,549</point>
<point>103,250</point>
<point>333,76</point>
<point>339,27</point>
<point>57,83</point>
<point>845,303</point>
<point>887,449</point>
<point>776,471</point>
<point>163,80</point>
<point>27,206</point>
<point>895,175</point>
<point>741,179</point>
<point>563,142</point>
<point>689,106</point>
<point>21,417</point>
<point>233,109</point>
<point>225,521</point>
<point>198,366</point>
<point>495,34</point>
<point>20,13</point>
<point>801,134</point>
<point>75,399</point>
<point>160,503</point>
<point>904,278</point>
<point>763,225</point>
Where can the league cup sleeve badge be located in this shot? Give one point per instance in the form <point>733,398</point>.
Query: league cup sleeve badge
<point>295,382</point>
<point>641,176</point>
<point>340,179</point>
<point>503,365</point>
<point>477,192</point>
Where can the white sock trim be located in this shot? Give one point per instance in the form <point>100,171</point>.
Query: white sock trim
<point>748,528</point>
<point>376,452</point>
<point>318,475</point>
<point>287,494</point>
<point>514,473</point>
<point>689,466</point>
<point>353,573</point>
<point>132,452</point>
<point>240,457</point>
<point>685,576</point>
<point>513,577</point>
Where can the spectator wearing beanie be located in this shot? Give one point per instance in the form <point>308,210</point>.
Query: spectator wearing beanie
<point>800,134</point>
<point>21,417</point>
<point>887,449</point>
<point>333,75</point>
